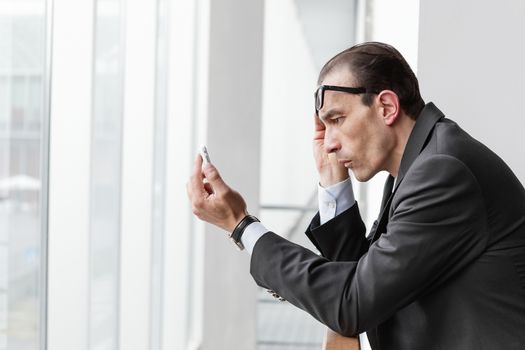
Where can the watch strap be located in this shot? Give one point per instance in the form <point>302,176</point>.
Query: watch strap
<point>239,230</point>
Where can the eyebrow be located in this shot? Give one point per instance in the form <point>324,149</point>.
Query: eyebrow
<point>330,114</point>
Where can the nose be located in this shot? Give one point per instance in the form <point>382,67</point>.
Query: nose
<point>331,143</point>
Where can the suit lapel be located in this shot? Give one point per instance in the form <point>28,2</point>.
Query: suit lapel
<point>422,129</point>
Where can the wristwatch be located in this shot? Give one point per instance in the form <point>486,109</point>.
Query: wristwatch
<point>238,231</point>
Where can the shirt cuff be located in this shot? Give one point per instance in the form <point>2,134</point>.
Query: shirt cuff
<point>335,199</point>
<point>251,235</point>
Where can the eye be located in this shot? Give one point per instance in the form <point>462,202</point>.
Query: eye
<point>337,120</point>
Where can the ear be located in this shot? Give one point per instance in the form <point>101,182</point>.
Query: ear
<point>389,106</point>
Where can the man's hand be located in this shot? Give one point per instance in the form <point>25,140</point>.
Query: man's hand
<point>214,201</point>
<point>330,171</point>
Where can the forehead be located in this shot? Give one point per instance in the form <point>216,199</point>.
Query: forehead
<point>338,102</point>
<point>339,76</point>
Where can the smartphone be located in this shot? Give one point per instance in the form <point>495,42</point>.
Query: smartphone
<point>204,154</point>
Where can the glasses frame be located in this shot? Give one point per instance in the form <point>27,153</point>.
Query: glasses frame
<point>319,93</point>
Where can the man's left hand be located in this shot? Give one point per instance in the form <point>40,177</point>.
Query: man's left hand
<point>214,201</point>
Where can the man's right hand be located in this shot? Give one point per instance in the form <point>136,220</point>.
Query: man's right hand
<point>330,171</point>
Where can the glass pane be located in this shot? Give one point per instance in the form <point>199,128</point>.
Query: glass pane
<point>281,325</point>
<point>310,32</point>
<point>23,116</point>
<point>105,177</point>
<point>159,170</point>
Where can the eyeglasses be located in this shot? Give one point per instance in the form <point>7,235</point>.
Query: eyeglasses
<point>319,93</point>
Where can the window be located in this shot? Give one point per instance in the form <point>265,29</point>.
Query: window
<point>288,174</point>
<point>105,179</point>
<point>23,172</point>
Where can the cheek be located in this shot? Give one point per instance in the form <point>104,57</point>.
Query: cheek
<point>377,152</point>
<point>359,145</point>
<point>350,139</point>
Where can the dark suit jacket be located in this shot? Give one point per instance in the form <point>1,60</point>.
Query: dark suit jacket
<point>444,267</point>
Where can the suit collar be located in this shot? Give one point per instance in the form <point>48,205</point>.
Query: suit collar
<point>428,117</point>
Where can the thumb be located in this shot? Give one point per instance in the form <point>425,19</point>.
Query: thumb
<point>214,178</point>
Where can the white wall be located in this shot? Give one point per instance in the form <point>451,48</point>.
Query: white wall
<point>471,56</point>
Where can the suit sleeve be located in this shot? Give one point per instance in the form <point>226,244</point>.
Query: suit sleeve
<point>342,238</point>
<point>438,226</point>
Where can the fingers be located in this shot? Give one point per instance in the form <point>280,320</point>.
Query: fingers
<point>213,182</point>
<point>214,178</point>
<point>198,175</point>
<point>196,189</point>
<point>195,186</point>
<point>212,200</point>
<point>319,126</point>
<point>197,165</point>
<point>319,131</point>
<point>208,188</point>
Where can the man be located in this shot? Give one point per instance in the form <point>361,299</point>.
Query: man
<point>444,265</point>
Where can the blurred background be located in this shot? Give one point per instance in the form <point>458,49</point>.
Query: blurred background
<point>103,104</point>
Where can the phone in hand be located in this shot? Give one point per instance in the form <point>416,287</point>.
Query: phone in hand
<point>203,150</point>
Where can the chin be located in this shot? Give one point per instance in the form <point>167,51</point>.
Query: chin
<point>362,176</point>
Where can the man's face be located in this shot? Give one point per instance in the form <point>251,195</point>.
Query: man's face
<point>356,133</point>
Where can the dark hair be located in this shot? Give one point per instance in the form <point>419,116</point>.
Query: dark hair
<point>378,66</point>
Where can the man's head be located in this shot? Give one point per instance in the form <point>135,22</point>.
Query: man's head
<point>368,127</point>
<point>376,67</point>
